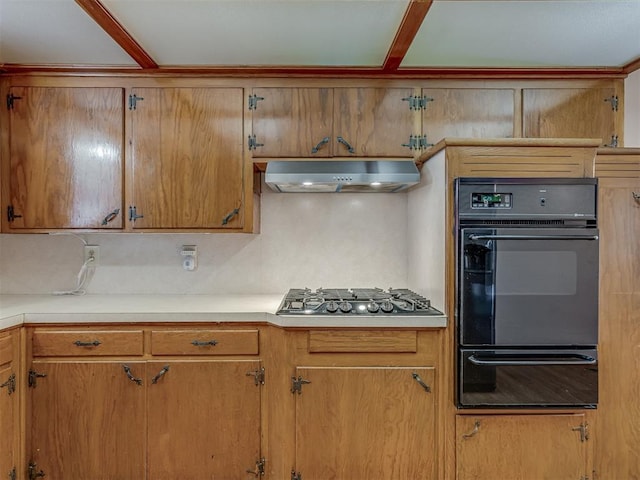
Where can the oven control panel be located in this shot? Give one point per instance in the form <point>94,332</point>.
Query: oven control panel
<point>491,200</point>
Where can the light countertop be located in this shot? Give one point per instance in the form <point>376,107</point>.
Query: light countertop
<point>42,309</point>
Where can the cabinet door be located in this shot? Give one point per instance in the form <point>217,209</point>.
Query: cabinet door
<point>66,158</point>
<point>617,454</point>
<point>187,158</point>
<point>521,447</point>
<point>569,113</point>
<point>365,423</point>
<point>8,406</point>
<point>468,113</point>
<point>293,122</point>
<point>373,122</point>
<point>87,421</point>
<point>204,419</point>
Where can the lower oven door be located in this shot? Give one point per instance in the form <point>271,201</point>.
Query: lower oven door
<point>527,378</point>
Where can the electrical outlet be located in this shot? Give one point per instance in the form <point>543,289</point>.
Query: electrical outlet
<point>92,251</point>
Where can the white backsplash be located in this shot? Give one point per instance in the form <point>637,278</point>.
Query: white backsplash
<point>306,240</point>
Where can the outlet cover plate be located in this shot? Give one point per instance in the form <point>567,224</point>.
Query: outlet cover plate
<point>92,251</point>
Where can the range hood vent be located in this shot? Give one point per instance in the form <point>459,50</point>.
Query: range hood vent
<point>333,176</point>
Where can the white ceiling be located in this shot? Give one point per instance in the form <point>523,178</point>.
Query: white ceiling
<point>325,33</point>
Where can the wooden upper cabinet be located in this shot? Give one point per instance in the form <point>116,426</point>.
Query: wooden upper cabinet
<point>467,113</point>
<point>186,158</point>
<point>522,447</point>
<point>66,158</point>
<point>332,122</point>
<point>9,406</point>
<point>571,113</point>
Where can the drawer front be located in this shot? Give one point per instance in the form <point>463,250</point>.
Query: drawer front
<point>87,342</point>
<point>204,342</point>
<point>328,341</point>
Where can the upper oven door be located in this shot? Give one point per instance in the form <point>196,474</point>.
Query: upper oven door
<point>526,287</point>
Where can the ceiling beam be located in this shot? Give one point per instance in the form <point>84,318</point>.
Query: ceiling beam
<point>98,12</point>
<point>411,22</point>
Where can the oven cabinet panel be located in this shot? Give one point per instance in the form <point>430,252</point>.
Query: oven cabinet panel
<point>365,423</point>
<point>522,447</point>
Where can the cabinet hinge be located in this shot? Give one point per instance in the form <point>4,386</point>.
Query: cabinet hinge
<point>133,101</point>
<point>614,142</point>
<point>10,384</point>
<point>33,376</point>
<point>614,102</point>
<point>296,384</point>
<point>11,214</point>
<point>583,428</point>
<point>258,376</point>
<point>417,103</point>
<point>253,143</point>
<point>253,101</point>
<point>12,474</point>
<point>423,143</point>
<point>33,471</point>
<point>10,99</point>
<point>133,214</point>
<point>296,475</point>
<point>417,142</point>
<point>259,470</point>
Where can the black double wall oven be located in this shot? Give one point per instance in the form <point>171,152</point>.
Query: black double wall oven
<point>527,292</point>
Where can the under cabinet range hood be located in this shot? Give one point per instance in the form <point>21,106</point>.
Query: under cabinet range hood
<point>328,176</point>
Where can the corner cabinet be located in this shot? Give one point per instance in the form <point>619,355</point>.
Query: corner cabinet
<point>522,447</point>
<point>187,163</point>
<point>9,404</point>
<point>64,166</point>
<point>333,122</point>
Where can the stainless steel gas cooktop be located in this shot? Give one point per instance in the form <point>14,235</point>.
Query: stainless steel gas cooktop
<point>355,301</point>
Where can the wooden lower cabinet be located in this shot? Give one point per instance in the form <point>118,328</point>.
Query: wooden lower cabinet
<point>9,407</point>
<point>203,419</point>
<point>365,423</point>
<point>522,447</point>
<point>87,420</point>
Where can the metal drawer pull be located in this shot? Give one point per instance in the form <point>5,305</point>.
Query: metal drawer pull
<point>417,378</point>
<point>476,429</point>
<point>110,217</point>
<point>160,374</point>
<point>127,370</point>
<point>198,343</point>
<point>350,149</point>
<point>542,359</point>
<point>533,237</point>
<point>322,142</point>
<point>95,343</point>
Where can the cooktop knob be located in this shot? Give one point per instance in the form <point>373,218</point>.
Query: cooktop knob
<point>332,307</point>
<point>386,306</point>
<point>345,307</point>
<point>373,307</point>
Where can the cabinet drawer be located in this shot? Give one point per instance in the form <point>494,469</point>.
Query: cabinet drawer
<point>328,341</point>
<point>87,342</point>
<point>204,342</point>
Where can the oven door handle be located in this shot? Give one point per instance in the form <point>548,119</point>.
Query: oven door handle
<point>568,359</point>
<point>533,237</point>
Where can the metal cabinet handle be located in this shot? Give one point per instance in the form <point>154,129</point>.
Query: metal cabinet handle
<point>322,142</point>
<point>110,217</point>
<point>476,429</point>
<point>230,215</point>
<point>418,379</point>
<point>95,343</point>
<point>532,360</point>
<point>127,370</point>
<point>160,374</point>
<point>346,144</point>
<point>10,384</point>
<point>198,343</point>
